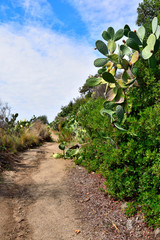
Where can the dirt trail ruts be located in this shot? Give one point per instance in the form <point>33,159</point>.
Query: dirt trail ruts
<point>36,202</point>
<point>44,198</point>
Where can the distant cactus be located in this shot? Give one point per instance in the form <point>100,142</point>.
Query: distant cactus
<point>134,48</point>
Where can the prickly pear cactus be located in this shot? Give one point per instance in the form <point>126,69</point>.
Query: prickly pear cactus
<point>134,48</point>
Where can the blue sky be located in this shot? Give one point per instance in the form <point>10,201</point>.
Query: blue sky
<point>47,49</point>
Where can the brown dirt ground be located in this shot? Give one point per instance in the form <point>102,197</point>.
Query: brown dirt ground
<point>43,198</point>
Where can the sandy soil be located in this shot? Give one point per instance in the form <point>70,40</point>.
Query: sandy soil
<point>43,198</point>
<point>35,199</point>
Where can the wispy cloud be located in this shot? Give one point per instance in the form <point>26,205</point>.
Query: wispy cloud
<point>41,70</point>
<point>35,11</point>
<point>100,14</point>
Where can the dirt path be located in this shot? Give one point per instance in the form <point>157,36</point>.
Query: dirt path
<point>35,199</point>
<point>44,198</point>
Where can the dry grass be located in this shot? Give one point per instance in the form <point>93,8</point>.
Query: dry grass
<point>27,137</point>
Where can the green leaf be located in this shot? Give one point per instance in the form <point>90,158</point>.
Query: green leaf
<point>62,146</point>
<point>125,50</point>
<point>100,62</point>
<point>92,82</point>
<point>119,127</point>
<point>120,97</point>
<point>158,32</point>
<point>154,24</point>
<point>125,64</point>
<point>111,46</point>
<point>111,94</point>
<point>113,58</point>
<point>134,70</point>
<point>108,105</point>
<point>108,77</point>
<point>126,30</point>
<point>102,47</point>
<point>125,76</point>
<point>156,46</point>
<point>121,83</point>
<point>141,32</point>
<point>100,71</point>
<point>106,36</point>
<point>120,53</point>
<point>118,35</point>
<point>130,82</point>
<point>147,52</point>
<point>152,62</point>
<point>132,44</point>
<point>119,113</point>
<point>109,112</point>
<point>111,32</point>
<point>151,40</point>
<point>134,36</point>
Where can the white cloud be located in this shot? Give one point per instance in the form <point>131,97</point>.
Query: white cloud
<point>100,14</point>
<point>37,11</point>
<point>41,70</point>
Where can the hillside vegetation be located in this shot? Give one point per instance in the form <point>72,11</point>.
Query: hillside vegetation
<point>16,135</point>
<point>119,131</point>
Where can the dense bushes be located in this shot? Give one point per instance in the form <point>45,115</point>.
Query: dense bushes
<point>130,161</point>
<point>132,171</point>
